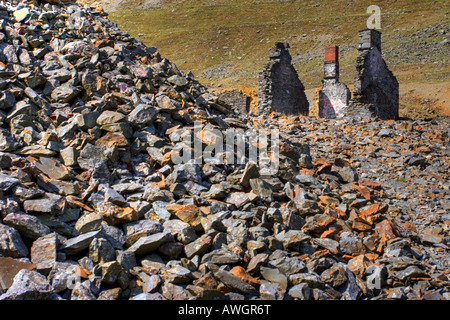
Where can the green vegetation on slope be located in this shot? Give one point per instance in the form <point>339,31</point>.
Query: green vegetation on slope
<point>227,42</point>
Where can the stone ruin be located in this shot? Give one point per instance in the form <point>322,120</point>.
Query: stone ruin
<point>376,91</point>
<point>334,95</point>
<point>237,100</point>
<point>280,89</point>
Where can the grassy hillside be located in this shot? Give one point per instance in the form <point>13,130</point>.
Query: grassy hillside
<point>226,42</point>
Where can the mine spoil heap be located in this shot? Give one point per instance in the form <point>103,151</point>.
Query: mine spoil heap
<point>92,206</point>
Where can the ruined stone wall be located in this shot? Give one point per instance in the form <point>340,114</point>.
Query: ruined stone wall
<point>376,88</point>
<point>239,102</point>
<point>280,89</point>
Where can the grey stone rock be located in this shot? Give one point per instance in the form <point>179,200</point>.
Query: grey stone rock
<point>149,296</point>
<point>256,262</point>
<point>350,290</point>
<point>87,120</point>
<point>306,207</point>
<point>90,156</point>
<point>28,193</point>
<point>94,84</point>
<point>7,100</point>
<point>301,291</point>
<point>159,207</point>
<point>126,259</point>
<point>53,206</point>
<point>292,238</point>
<point>221,256</point>
<point>198,247</point>
<point>167,104</point>
<point>417,161</point>
<point>177,274</point>
<point>238,199</point>
<point>384,133</point>
<point>288,265</point>
<point>153,193</point>
<point>110,272</point>
<point>274,275</point>
<point>89,222</point>
<point>111,294</point>
<point>235,283</point>
<point>251,171</point>
<point>143,228</point>
<point>271,291</point>
<point>63,276</point>
<point>80,243</point>
<point>328,244</point>
<point>174,292</point>
<point>180,82</point>
<point>399,249</point>
<point>11,244</point>
<point>318,265</point>
<point>335,276</point>
<point>101,251</point>
<point>182,231</point>
<point>7,182</point>
<point>319,294</point>
<point>312,279</point>
<point>184,172</point>
<point>219,241</point>
<point>262,189</point>
<point>27,225</point>
<point>83,291</point>
<point>67,131</point>
<point>306,180</point>
<point>150,243</point>
<point>5,161</point>
<point>215,192</point>
<point>347,174</point>
<point>65,93</point>
<point>110,117</point>
<point>142,115</point>
<point>44,252</point>
<point>28,285</point>
<point>114,197</point>
<point>409,272</point>
<point>152,283</point>
<point>351,244</point>
<point>257,232</point>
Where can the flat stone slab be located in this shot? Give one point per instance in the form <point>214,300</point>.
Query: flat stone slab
<point>80,243</point>
<point>51,167</point>
<point>151,243</point>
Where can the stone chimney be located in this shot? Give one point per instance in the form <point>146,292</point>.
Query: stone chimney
<point>334,96</point>
<point>369,38</point>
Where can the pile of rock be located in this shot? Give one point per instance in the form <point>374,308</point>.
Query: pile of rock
<point>93,206</point>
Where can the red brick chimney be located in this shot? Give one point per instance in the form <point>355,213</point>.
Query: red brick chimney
<point>331,64</point>
<point>331,54</point>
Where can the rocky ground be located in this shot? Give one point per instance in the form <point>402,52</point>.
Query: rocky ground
<point>93,207</point>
